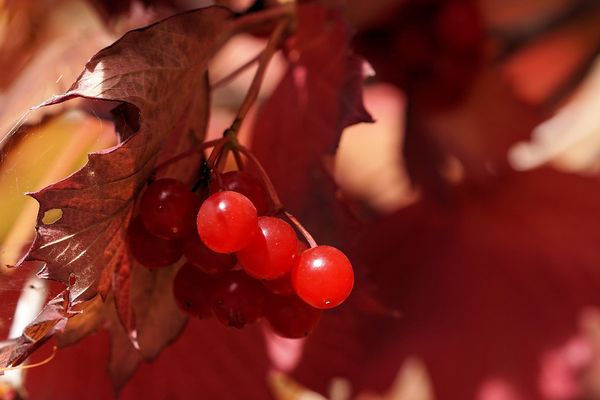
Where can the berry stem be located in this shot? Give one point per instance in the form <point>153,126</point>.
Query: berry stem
<point>238,159</point>
<point>235,73</point>
<point>216,153</point>
<point>264,176</point>
<point>185,154</point>
<point>263,63</point>
<point>309,239</point>
<point>223,158</point>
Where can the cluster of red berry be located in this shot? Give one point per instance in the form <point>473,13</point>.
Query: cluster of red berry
<point>241,264</point>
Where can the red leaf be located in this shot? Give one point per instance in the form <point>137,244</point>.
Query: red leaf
<point>139,71</point>
<point>155,79</point>
<point>199,365</point>
<point>122,296</point>
<point>477,132</point>
<point>485,286</point>
<point>319,95</point>
<point>159,319</point>
<point>50,320</point>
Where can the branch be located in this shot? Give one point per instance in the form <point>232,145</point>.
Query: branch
<point>263,63</point>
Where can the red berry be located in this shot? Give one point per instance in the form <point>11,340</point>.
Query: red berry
<point>280,286</point>
<point>227,222</point>
<point>149,250</point>
<point>168,208</point>
<point>323,277</point>
<point>192,290</point>
<point>204,258</point>
<point>271,252</point>
<point>246,184</point>
<point>290,317</point>
<point>237,299</point>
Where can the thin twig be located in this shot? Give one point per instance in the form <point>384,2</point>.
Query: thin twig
<point>216,153</point>
<point>235,73</point>
<point>263,63</point>
<point>311,241</point>
<point>275,197</point>
<point>238,159</point>
<point>222,161</point>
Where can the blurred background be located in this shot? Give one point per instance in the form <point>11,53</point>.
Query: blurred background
<point>472,202</point>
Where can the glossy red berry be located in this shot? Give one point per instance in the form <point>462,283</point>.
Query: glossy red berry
<point>246,184</point>
<point>227,222</point>
<point>149,250</point>
<point>323,277</point>
<point>168,209</point>
<point>271,252</point>
<point>290,317</point>
<point>204,258</point>
<point>237,299</point>
<point>281,286</point>
<point>192,290</point>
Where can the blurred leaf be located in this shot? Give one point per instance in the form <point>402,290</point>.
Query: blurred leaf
<point>319,95</point>
<point>485,287</point>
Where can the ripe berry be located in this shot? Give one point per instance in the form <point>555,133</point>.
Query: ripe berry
<point>149,250</point>
<point>281,286</point>
<point>192,290</point>
<point>204,258</point>
<point>246,184</point>
<point>237,299</point>
<point>323,277</point>
<point>290,317</point>
<point>168,208</point>
<point>227,222</point>
<point>271,252</point>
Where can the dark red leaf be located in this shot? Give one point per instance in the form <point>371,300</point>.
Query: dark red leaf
<point>156,81</point>
<point>159,319</point>
<point>50,320</point>
<point>122,295</point>
<point>485,286</point>
<point>319,95</point>
<point>196,366</point>
<point>97,201</point>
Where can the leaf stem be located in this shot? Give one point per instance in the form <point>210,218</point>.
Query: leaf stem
<point>263,63</point>
<point>222,161</point>
<point>235,73</point>
<point>217,152</point>
<point>238,159</point>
